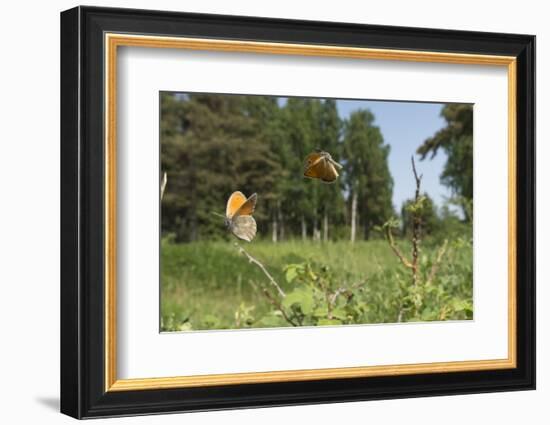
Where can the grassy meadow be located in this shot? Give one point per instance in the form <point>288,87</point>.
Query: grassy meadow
<point>210,285</point>
<point>360,250</point>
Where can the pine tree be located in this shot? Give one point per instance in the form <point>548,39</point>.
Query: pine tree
<point>456,140</point>
<point>212,145</point>
<point>332,201</point>
<point>214,151</point>
<point>368,180</point>
<point>300,199</point>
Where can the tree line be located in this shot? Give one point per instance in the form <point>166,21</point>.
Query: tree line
<point>212,145</point>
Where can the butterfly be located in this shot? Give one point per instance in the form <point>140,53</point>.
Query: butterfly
<point>320,165</point>
<point>238,215</point>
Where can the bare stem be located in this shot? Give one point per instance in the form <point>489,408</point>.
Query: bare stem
<point>396,250</point>
<point>163,184</point>
<point>400,315</point>
<point>274,302</point>
<point>437,262</point>
<point>417,223</point>
<point>334,296</point>
<point>262,268</point>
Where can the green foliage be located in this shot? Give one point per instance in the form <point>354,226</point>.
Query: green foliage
<point>425,209</point>
<point>319,299</point>
<point>447,295</point>
<point>207,280</point>
<point>422,291</point>
<point>436,224</point>
<point>456,140</point>
<point>212,145</point>
<point>366,170</point>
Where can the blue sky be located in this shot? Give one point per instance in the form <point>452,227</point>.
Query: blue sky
<point>405,126</point>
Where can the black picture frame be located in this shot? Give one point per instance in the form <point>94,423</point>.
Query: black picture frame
<point>83,392</point>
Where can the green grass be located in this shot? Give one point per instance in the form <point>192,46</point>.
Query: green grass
<point>204,284</point>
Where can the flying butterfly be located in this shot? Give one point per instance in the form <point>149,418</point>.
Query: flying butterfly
<point>238,215</point>
<point>320,165</point>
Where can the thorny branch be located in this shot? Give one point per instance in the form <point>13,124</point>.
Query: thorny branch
<point>416,239</point>
<point>395,249</point>
<point>274,301</point>
<point>417,223</point>
<point>277,304</point>
<point>262,268</point>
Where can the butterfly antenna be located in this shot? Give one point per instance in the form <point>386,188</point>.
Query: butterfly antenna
<point>218,214</point>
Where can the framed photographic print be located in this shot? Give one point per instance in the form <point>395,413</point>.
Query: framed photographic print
<point>261,212</point>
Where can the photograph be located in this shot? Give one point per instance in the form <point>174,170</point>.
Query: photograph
<point>263,211</point>
<point>299,211</point>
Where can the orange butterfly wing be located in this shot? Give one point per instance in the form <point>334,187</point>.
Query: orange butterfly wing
<point>248,207</point>
<point>320,165</point>
<point>312,159</point>
<point>316,170</point>
<point>239,212</point>
<point>235,201</point>
<point>237,204</point>
<point>314,165</point>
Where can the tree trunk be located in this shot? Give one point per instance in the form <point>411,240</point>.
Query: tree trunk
<point>274,229</point>
<point>325,226</point>
<point>281,225</point>
<point>353,216</point>
<point>316,235</point>
<point>304,229</point>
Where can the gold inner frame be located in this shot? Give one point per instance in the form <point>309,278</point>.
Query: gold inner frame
<point>113,41</point>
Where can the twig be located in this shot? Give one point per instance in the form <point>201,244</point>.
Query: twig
<point>344,290</point>
<point>395,249</point>
<point>278,306</point>
<point>416,226</point>
<point>261,266</point>
<point>163,184</point>
<point>273,301</point>
<point>332,298</point>
<point>400,315</point>
<point>435,265</point>
<point>417,178</point>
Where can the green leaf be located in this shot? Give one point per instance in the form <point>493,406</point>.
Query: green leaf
<point>272,320</point>
<point>321,311</point>
<point>211,321</point>
<point>185,327</point>
<point>461,305</point>
<point>429,314</point>
<point>292,271</point>
<point>301,296</point>
<point>339,313</point>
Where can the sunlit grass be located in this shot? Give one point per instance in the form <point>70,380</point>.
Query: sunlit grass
<point>211,279</point>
